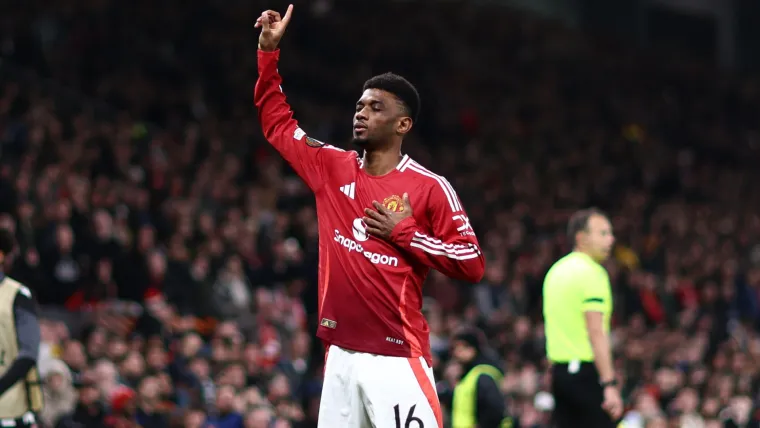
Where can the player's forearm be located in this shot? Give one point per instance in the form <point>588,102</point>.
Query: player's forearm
<point>279,126</point>
<point>600,345</point>
<point>16,372</point>
<point>275,115</point>
<point>458,258</point>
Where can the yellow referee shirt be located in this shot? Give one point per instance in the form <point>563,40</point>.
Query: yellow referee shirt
<point>574,285</point>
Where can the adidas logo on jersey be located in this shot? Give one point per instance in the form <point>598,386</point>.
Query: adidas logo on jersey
<point>349,190</point>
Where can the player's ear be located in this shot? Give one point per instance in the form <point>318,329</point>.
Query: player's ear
<point>404,125</point>
<point>578,238</point>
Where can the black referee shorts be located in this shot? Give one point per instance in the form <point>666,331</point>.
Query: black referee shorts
<point>578,398</point>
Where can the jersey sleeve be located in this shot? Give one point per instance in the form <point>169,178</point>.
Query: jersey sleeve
<point>306,155</point>
<point>595,289</point>
<point>27,324</point>
<point>452,248</point>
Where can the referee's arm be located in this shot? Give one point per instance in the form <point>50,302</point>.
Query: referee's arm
<point>28,337</point>
<point>596,291</point>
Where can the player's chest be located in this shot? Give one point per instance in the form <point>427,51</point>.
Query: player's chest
<point>352,192</point>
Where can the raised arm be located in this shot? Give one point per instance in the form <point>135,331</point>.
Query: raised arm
<point>306,155</point>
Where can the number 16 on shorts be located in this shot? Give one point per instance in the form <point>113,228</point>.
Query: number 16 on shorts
<point>365,390</point>
<point>410,421</point>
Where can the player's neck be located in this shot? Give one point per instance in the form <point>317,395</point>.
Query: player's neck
<point>379,162</point>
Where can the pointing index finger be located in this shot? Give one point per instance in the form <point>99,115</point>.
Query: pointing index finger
<point>288,15</point>
<point>263,21</point>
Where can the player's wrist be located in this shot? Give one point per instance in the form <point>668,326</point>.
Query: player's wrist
<point>398,234</point>
<point>612,383</point>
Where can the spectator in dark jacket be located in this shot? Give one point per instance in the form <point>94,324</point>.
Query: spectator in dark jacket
<point>227,416</point>
<point>481,372</point>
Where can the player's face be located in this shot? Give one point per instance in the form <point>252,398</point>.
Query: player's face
<point>599,237</point>
<point>378,118</point>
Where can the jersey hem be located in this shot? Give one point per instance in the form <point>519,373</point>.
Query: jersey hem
<point>375,350</point>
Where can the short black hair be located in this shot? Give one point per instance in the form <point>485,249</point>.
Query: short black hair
<point>401,88</point>
<point>579,222</point>
<point>473,337</point>
<point>7,241</point>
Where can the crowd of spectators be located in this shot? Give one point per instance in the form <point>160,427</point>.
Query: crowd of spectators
<point>174,253</point>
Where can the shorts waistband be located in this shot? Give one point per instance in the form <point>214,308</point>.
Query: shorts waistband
<point>573,367</point>
<point>573,362</point>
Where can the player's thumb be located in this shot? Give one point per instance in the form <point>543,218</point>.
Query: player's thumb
<point>406,200</point>
<point>265,22</point>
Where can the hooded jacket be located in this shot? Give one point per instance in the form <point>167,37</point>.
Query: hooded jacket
<point>490,408</point>
<point>61,402</point>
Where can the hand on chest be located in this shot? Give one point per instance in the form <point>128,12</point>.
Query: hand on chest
<point>376,203</point>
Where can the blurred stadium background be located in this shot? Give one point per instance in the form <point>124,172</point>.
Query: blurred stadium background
<point>174,253</point>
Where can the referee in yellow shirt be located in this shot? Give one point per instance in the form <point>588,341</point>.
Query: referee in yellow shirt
<point>577,309</point>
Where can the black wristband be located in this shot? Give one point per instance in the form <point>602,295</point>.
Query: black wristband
<point>612,382</point>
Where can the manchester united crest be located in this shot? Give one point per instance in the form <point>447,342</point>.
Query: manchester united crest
<point>394,203</point>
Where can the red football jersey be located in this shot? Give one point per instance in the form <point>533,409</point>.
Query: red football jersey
<point>370,290</point>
